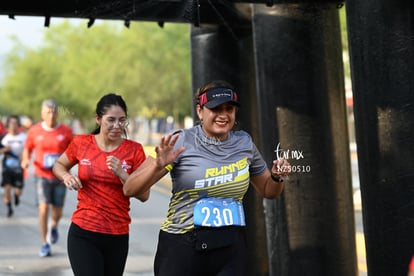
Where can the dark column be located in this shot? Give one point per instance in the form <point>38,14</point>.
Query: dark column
<point>214,55</point>
<point>381,40</point>
<point>300,92</point>
<point>222,53</point>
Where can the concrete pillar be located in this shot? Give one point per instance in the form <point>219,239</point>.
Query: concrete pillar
<point>301,98</point>
<point>381,41</point>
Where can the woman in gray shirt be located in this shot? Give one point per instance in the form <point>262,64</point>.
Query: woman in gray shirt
<point>211,167</point>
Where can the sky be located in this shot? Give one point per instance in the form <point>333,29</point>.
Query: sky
<point>29,30</point>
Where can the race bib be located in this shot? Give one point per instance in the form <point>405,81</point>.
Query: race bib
<point>12,163</point>
<point>218,212</point>
<point>49,159</point>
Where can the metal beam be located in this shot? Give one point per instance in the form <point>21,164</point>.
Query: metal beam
<point>178,11</point>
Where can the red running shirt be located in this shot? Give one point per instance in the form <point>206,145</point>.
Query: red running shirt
<point>47,146</point>
<point>3,129</point>
<point>102,206</point>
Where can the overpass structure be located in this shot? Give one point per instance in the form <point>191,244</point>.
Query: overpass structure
<point>285,58</point>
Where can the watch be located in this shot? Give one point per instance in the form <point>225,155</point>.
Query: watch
<point>276,179</point>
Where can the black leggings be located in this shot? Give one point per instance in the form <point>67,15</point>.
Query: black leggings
<point>176,255</point>
<point>96,254</point>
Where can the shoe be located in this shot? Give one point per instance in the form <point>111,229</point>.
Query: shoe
<point>10,212</point>
<point>16,200</point>
<point>45,250</point>
<point>54,235</point>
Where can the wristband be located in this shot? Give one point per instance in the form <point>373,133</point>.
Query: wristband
<point>169,167</point>
<point>276,179</point>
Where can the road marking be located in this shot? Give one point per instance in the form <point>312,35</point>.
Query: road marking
<point>360,246</point>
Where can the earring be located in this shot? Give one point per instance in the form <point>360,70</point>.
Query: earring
<point>201,122</point>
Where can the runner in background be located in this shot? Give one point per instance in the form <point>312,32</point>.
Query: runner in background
<point>98,237</point>
<point>12,173</point>
<point>47,139</point>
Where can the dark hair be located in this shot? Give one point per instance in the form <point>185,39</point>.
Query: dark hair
<point>208,86</point>
<point>105,103</point>
<point>12,117</point>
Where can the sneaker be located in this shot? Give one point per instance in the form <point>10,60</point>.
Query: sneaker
<point>45,250</point>
<point>54,235</point>
<point>10,212</point>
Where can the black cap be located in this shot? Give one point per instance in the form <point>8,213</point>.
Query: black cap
<point>217,96</point>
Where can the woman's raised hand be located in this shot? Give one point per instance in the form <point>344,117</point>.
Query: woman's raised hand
<point>165,150</point>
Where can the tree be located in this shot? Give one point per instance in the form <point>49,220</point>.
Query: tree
<point>147,65</point>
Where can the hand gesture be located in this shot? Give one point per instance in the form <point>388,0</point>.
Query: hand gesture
<point>114,164</point>
<point>165,151</point>
<point>281,168</point>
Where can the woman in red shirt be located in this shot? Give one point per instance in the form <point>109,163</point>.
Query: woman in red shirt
<point>99,234</point>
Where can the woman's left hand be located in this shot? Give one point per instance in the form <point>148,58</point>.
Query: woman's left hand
<point>281,168</point>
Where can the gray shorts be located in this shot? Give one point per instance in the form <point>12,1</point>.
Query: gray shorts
<point>51,191</point>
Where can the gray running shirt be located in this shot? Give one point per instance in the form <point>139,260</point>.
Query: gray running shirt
<point>209,168</point>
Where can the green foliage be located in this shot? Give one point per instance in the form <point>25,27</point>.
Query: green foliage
<point>344,38</point>
<point>148,65</point>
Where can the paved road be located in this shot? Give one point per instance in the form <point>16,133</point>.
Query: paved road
<point>20,242</point>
